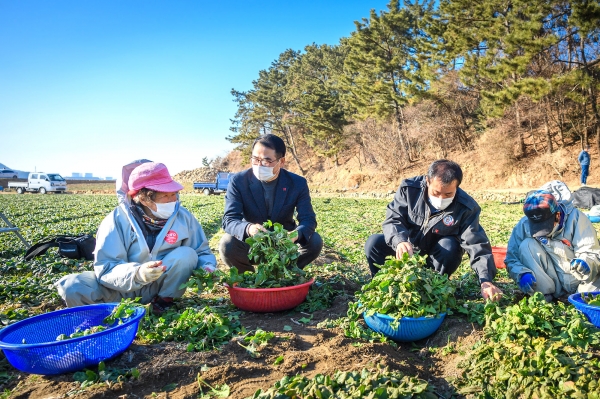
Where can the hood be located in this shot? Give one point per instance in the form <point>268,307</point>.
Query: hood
<point>122,187</point>
<point>562,194</point>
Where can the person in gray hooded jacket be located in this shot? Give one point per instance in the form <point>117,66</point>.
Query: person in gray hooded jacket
<point>554,248</point>
<point>146,247</point>
<point>433,215</point>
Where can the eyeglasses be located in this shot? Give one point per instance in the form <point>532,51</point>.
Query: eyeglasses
<point>263,161</point>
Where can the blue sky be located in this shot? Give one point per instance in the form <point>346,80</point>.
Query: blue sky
<point>86,86</point>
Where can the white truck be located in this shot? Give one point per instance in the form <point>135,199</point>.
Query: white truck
<point>40,182</point>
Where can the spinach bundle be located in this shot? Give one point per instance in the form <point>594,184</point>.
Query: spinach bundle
<point>407,288</point>
<point>365,384</point>
<point>533,349</point>
<point>275,256</point>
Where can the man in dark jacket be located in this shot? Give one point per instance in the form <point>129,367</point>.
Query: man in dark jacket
<point>432,215</point>
<point>267,192</point>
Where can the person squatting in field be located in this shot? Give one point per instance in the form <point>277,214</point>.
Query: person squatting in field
<point>267,191</point>
<point>146,247</point>
<point>432,215</point>
<point>554,248</point>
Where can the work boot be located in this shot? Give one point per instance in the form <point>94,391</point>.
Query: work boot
<point>161,304</point>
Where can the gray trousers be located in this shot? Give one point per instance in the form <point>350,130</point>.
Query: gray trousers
<point>84,288</point>
<point>551,272</point>
<point>234,252</point>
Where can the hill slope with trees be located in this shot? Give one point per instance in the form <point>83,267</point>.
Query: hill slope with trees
<point>507,88</point>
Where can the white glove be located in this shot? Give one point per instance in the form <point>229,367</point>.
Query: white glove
<point>209,268</point>
<point>150,271</point>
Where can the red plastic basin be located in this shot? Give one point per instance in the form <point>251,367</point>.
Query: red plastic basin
<point>499,254</point>
<point>269,299</point>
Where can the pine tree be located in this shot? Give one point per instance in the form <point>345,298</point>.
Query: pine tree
<point>496,42</point>
<point>383,66</point>
<point>267,108</point>
<point>314,90</point>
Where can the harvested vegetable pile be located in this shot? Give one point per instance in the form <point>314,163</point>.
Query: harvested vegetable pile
<point>365,384</point>
<point>533,349</point>
<point>407,288</point>
<point>402,288</point>
<point>275,256</point>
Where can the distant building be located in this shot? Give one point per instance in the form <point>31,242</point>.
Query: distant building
<point>108,178</point>
<point>79,176</point>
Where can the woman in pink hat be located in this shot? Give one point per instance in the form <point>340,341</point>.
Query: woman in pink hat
<point>146,247</point>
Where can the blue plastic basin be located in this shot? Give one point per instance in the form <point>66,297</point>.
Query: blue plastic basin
<point>409,329</point>
<point>42,354</point>
<point>592,312</point>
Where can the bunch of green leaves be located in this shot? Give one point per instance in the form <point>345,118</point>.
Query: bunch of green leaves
<point>257,341</point>
<point>124,310</point>
<point>592,300</point>
<point>275,256</point>
<point>534,317</point>
<point>203,327</point>
<point>379,383</point>
<point>532,349</point>
<point>107,375</point>
<point>407,288</point>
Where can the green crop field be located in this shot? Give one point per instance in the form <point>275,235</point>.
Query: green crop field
<point>518,349</point>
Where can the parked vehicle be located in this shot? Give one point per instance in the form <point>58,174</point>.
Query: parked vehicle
<point>219,186</point>
<point>9,173</point>
<point>40,182</point>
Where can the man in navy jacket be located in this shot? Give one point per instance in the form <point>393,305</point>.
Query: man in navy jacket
<point>267,192</point>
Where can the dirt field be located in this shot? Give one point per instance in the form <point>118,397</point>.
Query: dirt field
<point>306,349</point>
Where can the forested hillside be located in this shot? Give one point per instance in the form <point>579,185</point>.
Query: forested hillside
<point>494,84</point>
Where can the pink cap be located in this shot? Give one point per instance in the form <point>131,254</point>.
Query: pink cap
<point>153,176</point>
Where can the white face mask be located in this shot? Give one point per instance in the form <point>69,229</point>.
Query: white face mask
<point>440,203</point>
<point>263,173</point>
<point>164,211</point>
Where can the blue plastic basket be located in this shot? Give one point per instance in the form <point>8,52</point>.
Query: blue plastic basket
<point>592,312</point>
<point>42,354</point>
<point>409,329</point>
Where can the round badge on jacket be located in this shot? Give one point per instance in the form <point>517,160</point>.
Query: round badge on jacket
<point>448,220</point>
<point>171,237</point>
